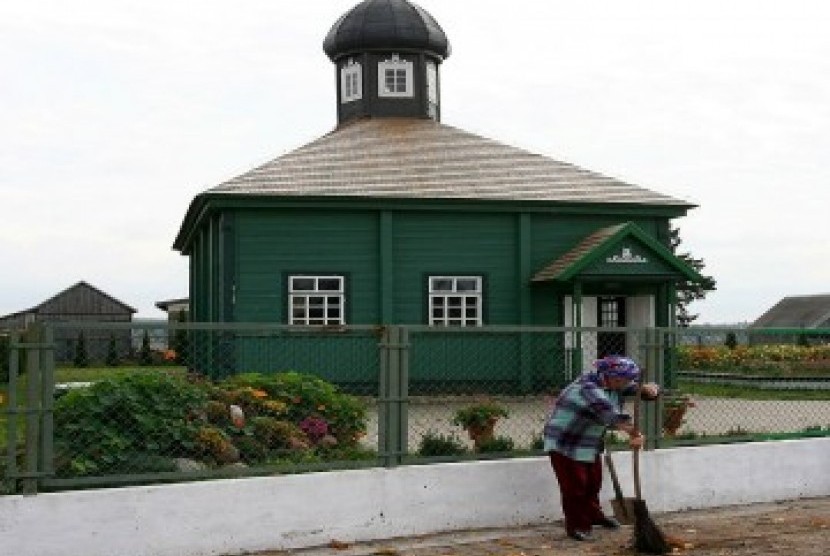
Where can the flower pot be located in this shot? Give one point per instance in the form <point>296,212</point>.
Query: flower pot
<point>481,433</point>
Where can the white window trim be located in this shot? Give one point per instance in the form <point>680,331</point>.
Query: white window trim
<point>432,82</point>
<point>394,63</point>
<point>351,74</point>
<point>441,299</point>
<point>301,299</point>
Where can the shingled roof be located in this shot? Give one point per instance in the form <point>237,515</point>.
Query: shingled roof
<point>411,158</point>
<point>578,252</point>
<point>801,311</point>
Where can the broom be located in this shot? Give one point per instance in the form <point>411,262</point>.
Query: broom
<point>648,538</point>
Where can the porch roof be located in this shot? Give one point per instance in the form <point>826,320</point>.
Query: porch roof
<point>620,250</point>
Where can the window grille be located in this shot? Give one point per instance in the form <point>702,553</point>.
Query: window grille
<point>350,82</point>
<point>455,300</point>
<point>316,300</point>
<point>395,77</point>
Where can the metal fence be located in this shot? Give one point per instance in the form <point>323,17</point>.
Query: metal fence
<point>99,404</point>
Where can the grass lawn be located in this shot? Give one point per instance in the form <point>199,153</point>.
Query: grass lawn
<point>749,393</point>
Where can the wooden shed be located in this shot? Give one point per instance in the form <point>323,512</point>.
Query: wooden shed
<point>797,311</point>
<point>77,303</point>
<point>396,218</point>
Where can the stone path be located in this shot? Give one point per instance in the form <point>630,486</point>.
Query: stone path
<point>527,416</point>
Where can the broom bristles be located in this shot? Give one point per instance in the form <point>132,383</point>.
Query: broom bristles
<point>648,538</point>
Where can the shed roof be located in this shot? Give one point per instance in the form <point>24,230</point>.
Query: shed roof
<point>39,308</point>
<point>801,311</point>
<point>423,159</point>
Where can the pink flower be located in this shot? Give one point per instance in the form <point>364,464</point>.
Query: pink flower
<point>314,427</point>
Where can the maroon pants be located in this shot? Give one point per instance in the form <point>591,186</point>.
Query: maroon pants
<point>579,485</point>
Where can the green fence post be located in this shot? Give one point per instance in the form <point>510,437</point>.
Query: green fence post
<point>47,380</point>
<point>11,412</point>
<point>653,372</point>
<point>383,395</point>
<point>32,409</point>
<point>391,421</point>
<point>394,388</point>
<point>402,407</point>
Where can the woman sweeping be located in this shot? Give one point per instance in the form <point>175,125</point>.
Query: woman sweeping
<point>574,433</point>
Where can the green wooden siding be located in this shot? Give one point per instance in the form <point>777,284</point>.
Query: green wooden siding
<point>271,245</point>
<point>427,243</point>
<point>242,258</point>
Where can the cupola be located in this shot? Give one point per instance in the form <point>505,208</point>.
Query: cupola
<point>387,54</point>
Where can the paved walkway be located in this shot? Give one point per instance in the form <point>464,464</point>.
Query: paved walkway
<point>527,415</point>
<point>782,529</point>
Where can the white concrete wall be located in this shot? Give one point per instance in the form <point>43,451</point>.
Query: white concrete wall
<point>235,516</point>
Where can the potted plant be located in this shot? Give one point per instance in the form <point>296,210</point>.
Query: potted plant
<point>479,420</point>
<point>674,413</point>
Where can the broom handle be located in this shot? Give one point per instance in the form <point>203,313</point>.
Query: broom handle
<point>636,453</point>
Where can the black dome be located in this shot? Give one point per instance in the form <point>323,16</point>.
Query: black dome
<point>386,25</point>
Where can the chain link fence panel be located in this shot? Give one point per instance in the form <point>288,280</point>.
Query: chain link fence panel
<point>156,401</point>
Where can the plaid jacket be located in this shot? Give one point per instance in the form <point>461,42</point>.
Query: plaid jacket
<point>580,416</point>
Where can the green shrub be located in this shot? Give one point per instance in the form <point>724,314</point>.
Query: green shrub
<point>217,413</point>
<point>496,445</point>
<point>275,434</point>
<point>251,451</point>
<point>214,444</point>
<point>142,421</point>
<point>111,425</point>
<point>479,415</point>
<point>433,444</point>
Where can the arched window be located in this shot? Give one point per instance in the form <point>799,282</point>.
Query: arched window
<point>351,82</point>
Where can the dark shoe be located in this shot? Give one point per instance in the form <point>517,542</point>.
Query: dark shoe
<point>580,535</point>
<point>607,522</point>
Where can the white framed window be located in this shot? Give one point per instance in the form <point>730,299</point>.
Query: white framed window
<point>395,77</point>
<point>351,82</point>
<point>316,300</point>
<point>455,301</point>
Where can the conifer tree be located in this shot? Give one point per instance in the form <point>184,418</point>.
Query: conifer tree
<point>81,358</point>
<point>689,291</point>
<point>145,356</point>
<point>112,353</point>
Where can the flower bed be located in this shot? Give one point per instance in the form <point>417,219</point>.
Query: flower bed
<point>778,360</point>
<point>149,422</point>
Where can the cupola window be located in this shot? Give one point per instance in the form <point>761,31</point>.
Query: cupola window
<point>351,82</point>
<point>395,77</point>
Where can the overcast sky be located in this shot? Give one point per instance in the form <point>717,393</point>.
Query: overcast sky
<point>114,114</point>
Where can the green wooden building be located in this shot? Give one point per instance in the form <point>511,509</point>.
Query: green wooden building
<point>396,218</point>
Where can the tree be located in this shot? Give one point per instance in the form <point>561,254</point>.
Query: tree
<point>112,353</point>
<point>81,358</point>
<point>181,343</point>
<point>689,291</point>
<point>145,354</point>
